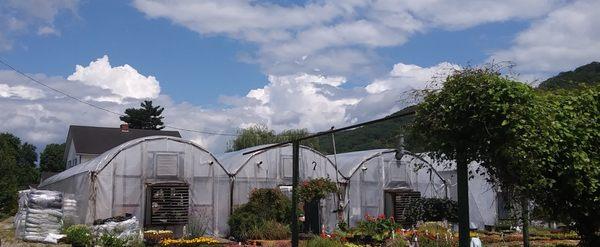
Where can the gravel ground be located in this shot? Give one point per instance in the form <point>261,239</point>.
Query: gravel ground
<point>7,236</point>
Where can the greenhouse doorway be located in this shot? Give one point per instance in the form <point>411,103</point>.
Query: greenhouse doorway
<point>167,205</point>
<point>397,201</point>
<point>312,222</point>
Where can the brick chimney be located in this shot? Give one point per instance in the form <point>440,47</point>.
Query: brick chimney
<point>124,128</point>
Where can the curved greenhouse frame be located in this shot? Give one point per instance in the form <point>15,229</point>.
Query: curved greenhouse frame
<point>161,180</point>
<point>379,183</point>
<point>272,168</point>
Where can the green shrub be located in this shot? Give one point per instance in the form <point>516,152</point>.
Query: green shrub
<point>272,230</point>
<point>110,240</point>
<point>431,209</point>
<point>255,219</point>
<point>242,222</point>
<point>323,242</point>
<point>269,204</point>
<point>79,235</point>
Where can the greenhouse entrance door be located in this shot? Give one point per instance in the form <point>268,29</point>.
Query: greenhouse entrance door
<point>397,201</point>
<point>312,223</point>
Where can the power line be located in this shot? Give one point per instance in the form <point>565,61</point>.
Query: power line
<point>102,108</point>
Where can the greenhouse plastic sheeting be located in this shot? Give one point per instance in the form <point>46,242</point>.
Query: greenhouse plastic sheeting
<point>116,182</point>
<point>272,168</point>
<point>370,172</point>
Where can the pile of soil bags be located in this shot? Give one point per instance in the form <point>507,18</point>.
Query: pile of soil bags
<point>40,216</point>
<point>125,227</point>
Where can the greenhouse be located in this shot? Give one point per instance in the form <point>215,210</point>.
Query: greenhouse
<point>379,183</point>
<point>163,181</point>
<point>272,168</point>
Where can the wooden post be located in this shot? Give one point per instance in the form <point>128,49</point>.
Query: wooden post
<point>525,219</point>
<point>295,174</point>
<point>463,202</point>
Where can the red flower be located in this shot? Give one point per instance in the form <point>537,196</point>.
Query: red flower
<point>381,217</point>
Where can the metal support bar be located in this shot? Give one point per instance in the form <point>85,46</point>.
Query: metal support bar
<point>295,177</point>
<point>463,202</point>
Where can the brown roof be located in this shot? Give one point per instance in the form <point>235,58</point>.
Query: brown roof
<point>97,140</point>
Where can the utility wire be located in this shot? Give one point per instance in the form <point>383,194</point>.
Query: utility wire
<point>102,108</point>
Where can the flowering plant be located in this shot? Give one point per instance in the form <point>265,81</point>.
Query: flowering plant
<point>199,241</point>
<point>316,189</point>
<point>378,228</point>
<point>155,236</point>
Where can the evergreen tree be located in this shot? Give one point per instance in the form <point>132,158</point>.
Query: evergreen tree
<point>147,117</point>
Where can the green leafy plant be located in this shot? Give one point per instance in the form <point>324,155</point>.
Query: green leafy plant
<point>540,145</point>
<point>79,235</point>
<point>273,230</point>
<point>323,242</point>
<point>316,189</point>
<point>198,224</point>
<point>110,240</point>
<point>377,229</point>
<point>257,218</point>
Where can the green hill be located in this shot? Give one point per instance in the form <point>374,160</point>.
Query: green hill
<point>588,74</point>
<point>380,135</point>
<point>387,134</point>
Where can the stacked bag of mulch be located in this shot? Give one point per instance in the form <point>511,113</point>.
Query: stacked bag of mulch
<point>40,215</point>
<point>125,227</point>
<point>69,209</point>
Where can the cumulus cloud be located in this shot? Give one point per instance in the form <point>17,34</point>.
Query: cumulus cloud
<point>312,101</point>
<point>20,17</point>
<point>566,38</point>
<point>410,76</point>
<point>123,81</point>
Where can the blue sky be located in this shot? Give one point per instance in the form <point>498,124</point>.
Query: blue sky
<point>197,68</point>
<point>225,65</point>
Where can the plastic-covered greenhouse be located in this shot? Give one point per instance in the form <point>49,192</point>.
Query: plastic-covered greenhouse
<point>163,181</point>
<point>272,168</point>
<point>378,183</point>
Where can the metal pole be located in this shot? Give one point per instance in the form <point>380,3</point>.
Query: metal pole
<point>463,202</point>
<point>295,174</point>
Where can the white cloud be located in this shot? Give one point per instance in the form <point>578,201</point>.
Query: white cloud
<point>462,14</point>
<point>304,38</point>
<point>311,101</point>
<point>566,38</point>
<point>20,17</point>
<point>410,76</point>
<point>47,30</point>
<point>7,91</point>
<point>123,81</point>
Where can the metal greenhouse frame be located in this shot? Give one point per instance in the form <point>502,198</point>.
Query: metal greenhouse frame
<point>159,179</point>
